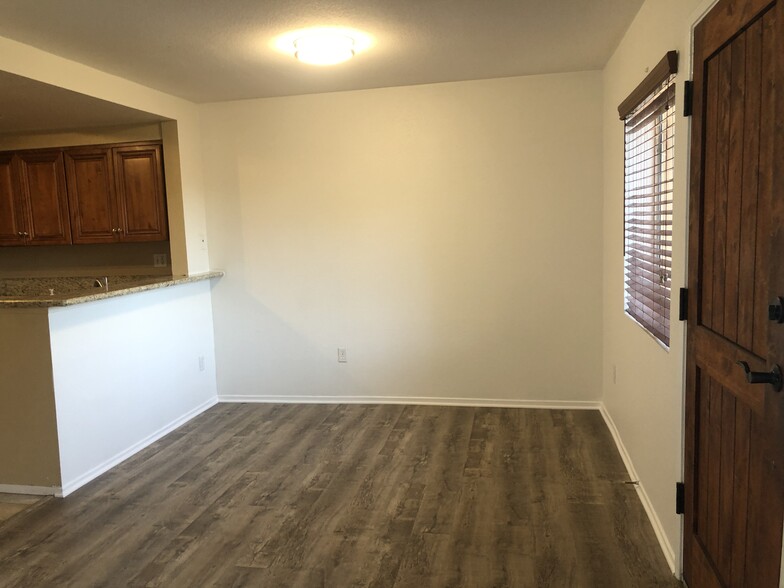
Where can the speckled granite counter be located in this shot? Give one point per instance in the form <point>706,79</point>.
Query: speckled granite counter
<point>46,292</point>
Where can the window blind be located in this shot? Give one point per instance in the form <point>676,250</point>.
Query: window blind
<point>649,130</point>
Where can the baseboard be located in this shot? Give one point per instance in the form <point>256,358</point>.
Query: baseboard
<point>666,547</point>
<point>416,400</point>
<point>73,485</point>
<point>31,490</point>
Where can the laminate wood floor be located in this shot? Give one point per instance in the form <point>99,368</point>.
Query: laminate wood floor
<point>13,504</point>
<point>350,495</point>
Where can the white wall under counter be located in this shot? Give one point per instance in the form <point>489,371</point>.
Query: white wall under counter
<point>85,386</point>
<point>128,370</point>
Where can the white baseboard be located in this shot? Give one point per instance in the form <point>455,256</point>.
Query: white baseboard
<point>31,490</point>
<point>666,547</point>
<point>417,400</point>
<point>72,485</point>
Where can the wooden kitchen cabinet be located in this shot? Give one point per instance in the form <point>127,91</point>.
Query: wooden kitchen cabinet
<point>11,226</point>
<point>91,195</point>
<point>116,193</point>
<point>33,199</point>
<point>141,197</point>
<point>95,194</point>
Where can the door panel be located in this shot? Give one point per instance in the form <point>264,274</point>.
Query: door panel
<point>91,198</point>
<point>42,176</point>
<point>11,224</point>
<point>734,429</point>
<point>722,475</point>
<point>734,264</point>
<point>140,192</point>
<point>749,193</point>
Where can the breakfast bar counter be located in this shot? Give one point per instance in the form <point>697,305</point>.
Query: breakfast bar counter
<point>66,291</point>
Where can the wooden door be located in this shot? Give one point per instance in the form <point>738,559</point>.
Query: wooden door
<point>42,184</point>
<point>734,429</point>
<point>12,226</point>
<point>91,195</point>
<point>140,193</point>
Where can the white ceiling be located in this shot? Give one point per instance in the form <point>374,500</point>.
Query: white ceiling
<point>30,106</point>
<point>213,50</point>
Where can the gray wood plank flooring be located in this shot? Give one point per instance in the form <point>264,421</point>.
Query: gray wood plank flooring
<point>13,504</point>
<point>351,495</point>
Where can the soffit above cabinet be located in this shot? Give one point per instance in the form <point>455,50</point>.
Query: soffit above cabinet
<point>28,106</point>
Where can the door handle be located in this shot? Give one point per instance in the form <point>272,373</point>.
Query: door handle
<point>773,377</point>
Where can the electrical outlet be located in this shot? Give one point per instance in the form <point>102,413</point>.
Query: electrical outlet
<point>341,355</point>
<point>201,363</point>
<point>160,260</point>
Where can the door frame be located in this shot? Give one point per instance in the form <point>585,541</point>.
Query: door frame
<point>683,142</point>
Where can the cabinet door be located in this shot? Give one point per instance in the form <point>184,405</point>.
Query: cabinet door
<point>140,193</point>
<point>12,224</point>
<point>42,182</point>
<point>91,196</point>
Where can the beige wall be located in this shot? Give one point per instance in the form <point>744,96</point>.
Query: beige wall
<point>118,134</point>
<point>29,454</point>
<point>116,259</point>
<point>186,203</point>
<point>645,397</point>
<point>448,235</point>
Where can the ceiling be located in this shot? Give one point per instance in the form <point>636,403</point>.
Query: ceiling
<point>30,106</point>
<point>213,50</point>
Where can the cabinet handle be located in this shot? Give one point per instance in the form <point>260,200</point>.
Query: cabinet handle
<point>25,234</point>
<point>119,230</point>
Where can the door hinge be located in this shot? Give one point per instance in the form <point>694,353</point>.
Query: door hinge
<point>680,497</point>
<point>688,98</point>
<point>683,305</point>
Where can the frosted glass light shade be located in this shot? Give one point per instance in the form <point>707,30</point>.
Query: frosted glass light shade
<point>324,48</point>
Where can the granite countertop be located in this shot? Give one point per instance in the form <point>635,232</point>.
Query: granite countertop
<point>67,291</point>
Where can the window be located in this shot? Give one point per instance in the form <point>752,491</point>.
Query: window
<point>649,129</point>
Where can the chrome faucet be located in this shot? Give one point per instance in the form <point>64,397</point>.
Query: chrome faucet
<point>99,284</point>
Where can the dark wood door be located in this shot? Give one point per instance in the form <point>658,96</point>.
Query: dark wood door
<point>44,196</point>
<point>734,429</point>
<point>91,195</point>
<point>140,193</point>
<point>12,226</point>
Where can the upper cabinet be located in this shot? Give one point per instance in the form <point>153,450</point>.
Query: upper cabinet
<point>33,199</point>
<point>11,225</point>
<point>91,196</point>
<point>140,195</point>
<point>96,194</point>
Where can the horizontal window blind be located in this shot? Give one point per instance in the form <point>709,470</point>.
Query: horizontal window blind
<point>648,185</point>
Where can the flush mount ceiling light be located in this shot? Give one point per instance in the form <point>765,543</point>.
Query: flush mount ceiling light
<point>324,48</point>
<point>322,45</point>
